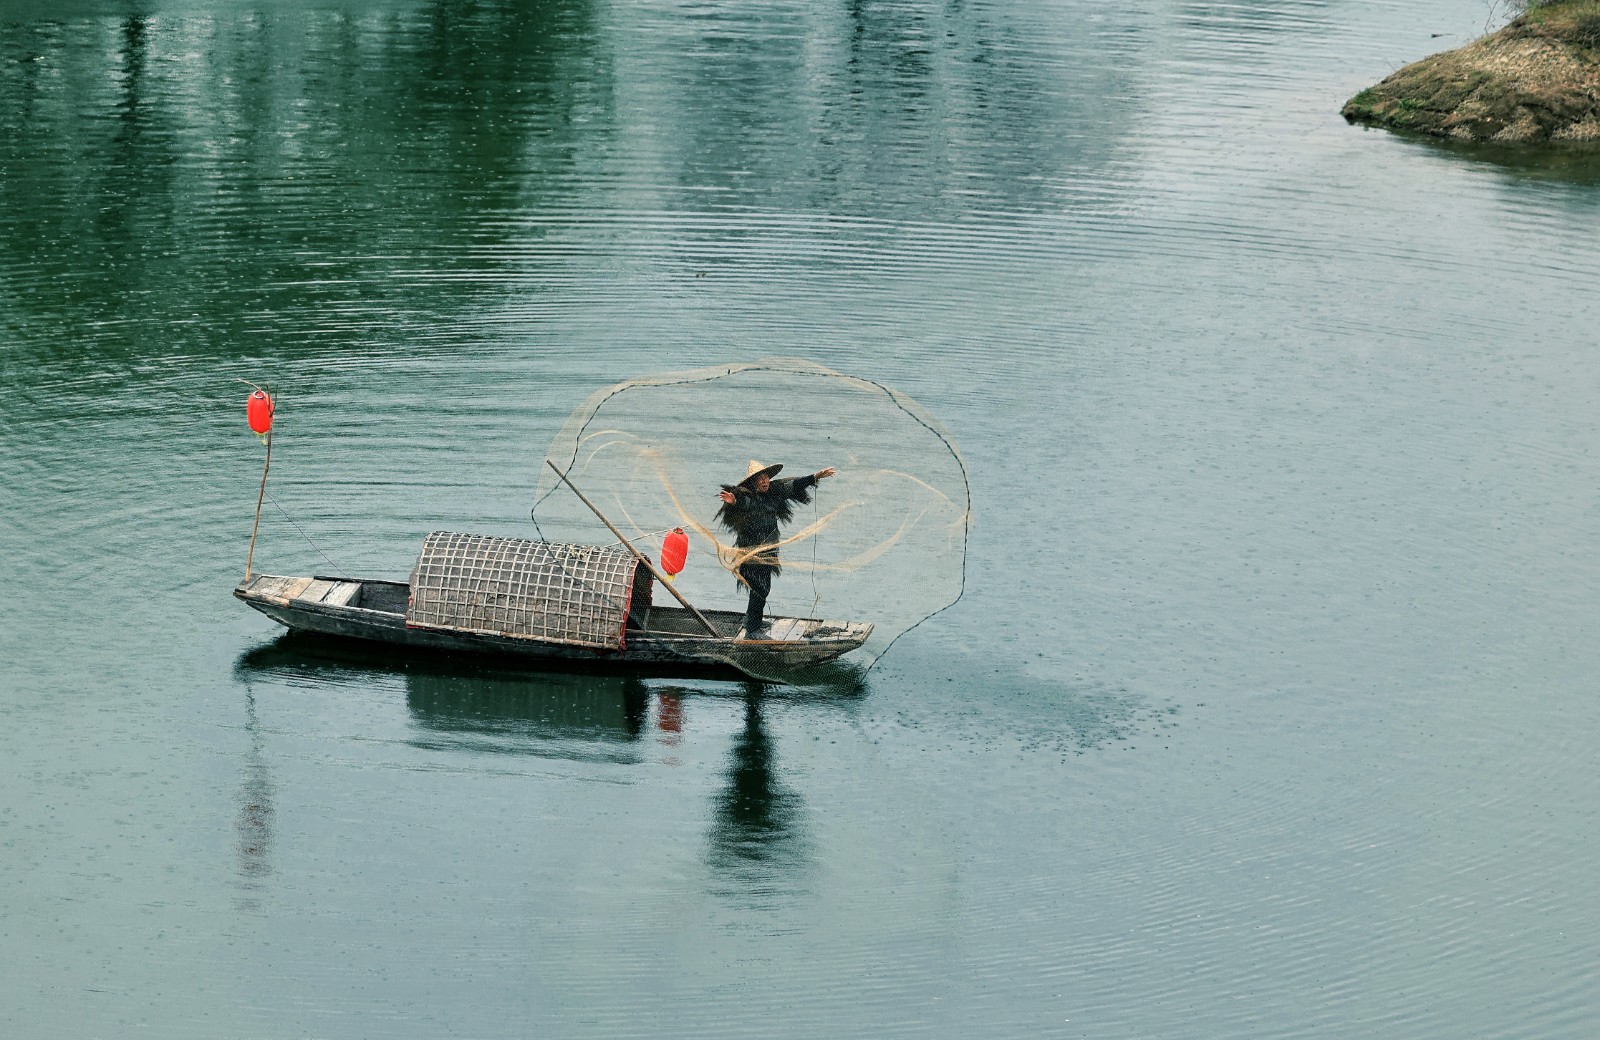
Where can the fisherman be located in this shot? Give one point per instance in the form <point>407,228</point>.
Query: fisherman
<point>752,509</point>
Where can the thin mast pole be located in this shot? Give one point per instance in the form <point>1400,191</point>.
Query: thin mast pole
<point>637,554</point>
<point>251,555</point>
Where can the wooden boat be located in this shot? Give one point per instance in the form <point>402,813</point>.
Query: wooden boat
<point>560,603</point>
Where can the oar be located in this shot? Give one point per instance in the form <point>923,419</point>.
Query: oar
<point>661,578</point>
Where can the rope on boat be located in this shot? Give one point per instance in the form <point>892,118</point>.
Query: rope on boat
<point>337,570</point>
<point>816,519</point>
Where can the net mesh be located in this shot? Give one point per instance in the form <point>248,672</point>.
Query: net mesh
<point>880,543</point>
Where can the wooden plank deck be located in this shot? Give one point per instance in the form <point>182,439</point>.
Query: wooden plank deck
<point>331,592</point>
<point>307,590</point>
<point>268,587</point>
<point>277,588</point>
<point>342,593</point>
<point>788,630</point>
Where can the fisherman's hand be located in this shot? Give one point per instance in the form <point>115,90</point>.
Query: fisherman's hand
<point>726,496</point>
<point>830,471</point>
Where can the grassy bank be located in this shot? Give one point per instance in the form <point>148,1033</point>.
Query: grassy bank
<point>1536,80</point>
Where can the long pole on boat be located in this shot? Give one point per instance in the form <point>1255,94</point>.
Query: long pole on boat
<point>250,556</point>
<point>641,557</point>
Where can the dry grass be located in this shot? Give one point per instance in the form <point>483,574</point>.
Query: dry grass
<point>1538,79</point>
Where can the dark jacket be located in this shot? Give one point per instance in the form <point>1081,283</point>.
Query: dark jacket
<point>753,517</point>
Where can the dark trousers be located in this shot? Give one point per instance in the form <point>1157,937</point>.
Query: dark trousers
<point>759,578</point>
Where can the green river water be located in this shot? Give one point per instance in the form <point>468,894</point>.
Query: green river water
<point>1269,707</point>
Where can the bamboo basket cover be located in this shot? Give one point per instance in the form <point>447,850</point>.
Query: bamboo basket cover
<point>575,594</point>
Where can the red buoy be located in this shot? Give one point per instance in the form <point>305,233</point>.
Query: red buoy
<point>674,551</point>
<point>259,411</point>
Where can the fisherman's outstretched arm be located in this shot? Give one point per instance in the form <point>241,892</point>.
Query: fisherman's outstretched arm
<point>793,488</point>
<point>800,486</point>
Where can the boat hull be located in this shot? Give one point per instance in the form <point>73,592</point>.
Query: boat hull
<point>334,607</point>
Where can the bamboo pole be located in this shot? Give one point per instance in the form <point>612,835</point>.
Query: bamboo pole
<point>662,578</point>
<point>249,559</point>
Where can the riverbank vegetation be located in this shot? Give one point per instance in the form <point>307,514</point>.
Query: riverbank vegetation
<point>1536,80</point>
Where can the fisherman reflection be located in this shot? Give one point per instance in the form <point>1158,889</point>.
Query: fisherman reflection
<point>755,836</point>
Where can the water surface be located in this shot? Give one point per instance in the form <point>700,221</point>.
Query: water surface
<point>1267,711</point>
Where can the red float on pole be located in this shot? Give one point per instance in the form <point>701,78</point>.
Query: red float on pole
<point>259,411</point>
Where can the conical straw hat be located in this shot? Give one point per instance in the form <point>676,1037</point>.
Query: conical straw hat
<point>756,469</point>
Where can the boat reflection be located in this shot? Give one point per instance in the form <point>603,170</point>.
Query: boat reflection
<point>757,846</point>
<point>537,706</point>
<point>468,704</point>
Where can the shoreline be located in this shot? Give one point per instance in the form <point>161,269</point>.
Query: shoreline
<point>1534,81</point>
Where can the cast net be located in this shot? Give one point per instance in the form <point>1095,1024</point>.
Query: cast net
<point>881,543</point>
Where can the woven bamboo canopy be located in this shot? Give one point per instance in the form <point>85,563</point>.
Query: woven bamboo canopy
<point>576,594</point>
